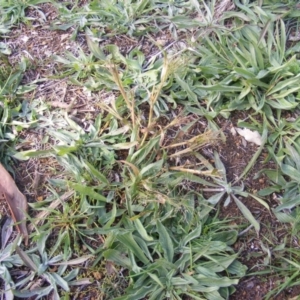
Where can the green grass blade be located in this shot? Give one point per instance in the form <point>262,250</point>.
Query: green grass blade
<point>165,241</point>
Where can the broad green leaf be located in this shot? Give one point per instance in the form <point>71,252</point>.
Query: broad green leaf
<point>144,247</point>
<point>284,217</point>
<point>285,93</point>
<point>41,242</point>
<point>289,204</point>
<point>294,154</point>
<point>245,73</point>
<point>73,124</point>
<point>281,103</point>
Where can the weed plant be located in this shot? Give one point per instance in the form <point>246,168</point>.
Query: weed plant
<point>133,204</point>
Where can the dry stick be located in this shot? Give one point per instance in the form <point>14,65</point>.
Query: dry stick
<point>130,105</point>
<point>153,98</point>
<point>40,218</point>
<point>208,172</point>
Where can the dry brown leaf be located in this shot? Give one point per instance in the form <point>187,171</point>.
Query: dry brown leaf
<point>16,201</point>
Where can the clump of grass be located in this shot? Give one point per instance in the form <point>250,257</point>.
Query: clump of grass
<point>121,196</point>
<point>13,12</point>
<point>127,192</point>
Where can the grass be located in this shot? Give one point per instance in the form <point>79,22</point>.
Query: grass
<point>131,196</point>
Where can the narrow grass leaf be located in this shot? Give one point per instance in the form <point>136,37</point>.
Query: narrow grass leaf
<point>247,214</point>
<point>94,47</point>
<point>165,241</point>
<point>123,146</point>
<point>60,281</point>
<point>192,96</point>
<point>152,169</point>
<point>215,199</point>
<point>156,279</point>
<point>261,201</point>
<point>220,166</point>
<point>216,282</point>
<point>284,84</point>
<point>192,235</point>
<point>287,92</point>
<point>94,172</point>
<point>85,190</point>
<point>112,217</point>
<point>290,171</point>
<point>39,291</point>
<point>139,156</point>
<point>118,258</point>
<point>144,247</point>
<point>25,155</point>
<point>128,241</point>
<point>75,261</point>
<point>80,282</point>
<point>142,231</point>
<point>292,263</point>
<point>26,259</point>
